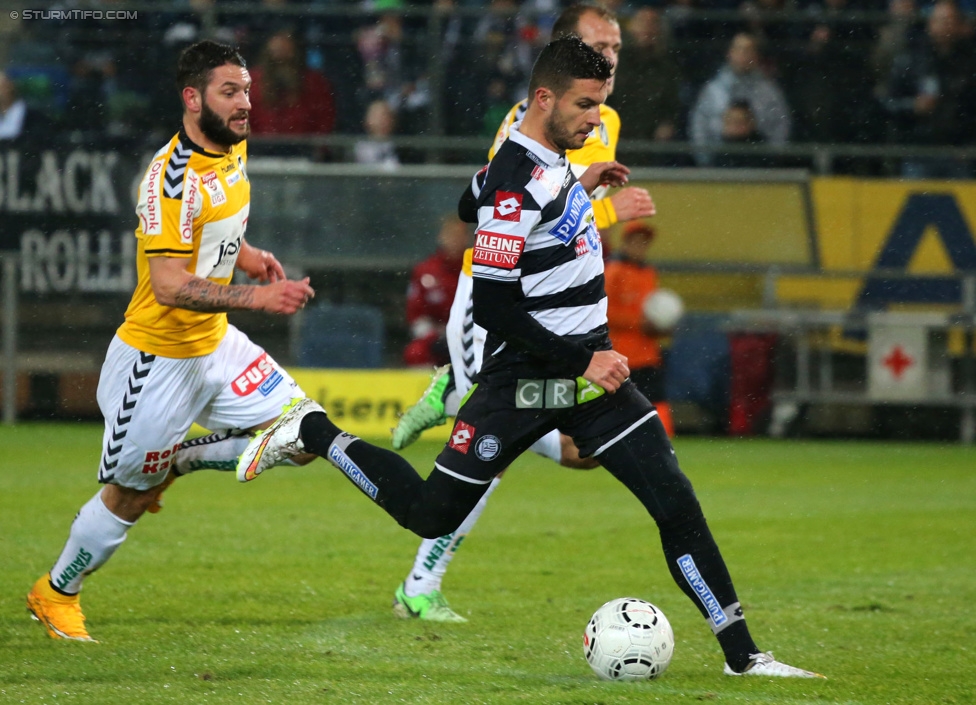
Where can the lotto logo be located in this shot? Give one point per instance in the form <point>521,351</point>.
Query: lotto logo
<point>508,206</point>
<point>157,461</point>
<point>461,437</point>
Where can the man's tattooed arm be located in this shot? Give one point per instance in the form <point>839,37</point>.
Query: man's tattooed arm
<point>203,295</point>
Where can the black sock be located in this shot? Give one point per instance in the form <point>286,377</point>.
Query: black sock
<point>317,433</point>
<point>430,508</point>
<point>380,474</point>
<point>646,464</point>
<point>699,570</point>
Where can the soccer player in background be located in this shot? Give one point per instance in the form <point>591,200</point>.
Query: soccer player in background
<point>538,292</point>
<point>176,359</point>
<point>419,595</point>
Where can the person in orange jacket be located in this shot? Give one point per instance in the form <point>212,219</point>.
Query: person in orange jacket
<point>629,280</point>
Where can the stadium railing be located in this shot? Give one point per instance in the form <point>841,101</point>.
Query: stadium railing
<point>358,230</point>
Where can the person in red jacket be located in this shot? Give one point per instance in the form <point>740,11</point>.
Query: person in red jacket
<point>629,280</point>
<point>433,283</point>
<point>287,98</point>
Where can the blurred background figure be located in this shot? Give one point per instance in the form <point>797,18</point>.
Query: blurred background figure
<point>630,281</point>
<point>433,284</point>
<point>378,148</point>
<point>740,78</point>
<point>646,92</point>
<point>18,122</point>
<point>931,93</point>
<point>829,86</point>
<point>739,128</point>
<point>394,69</point>
<point>287,97</point>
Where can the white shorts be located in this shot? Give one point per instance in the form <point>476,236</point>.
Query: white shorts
<point>149,403</point>
<point>466,344</point>
<point>465,339</point>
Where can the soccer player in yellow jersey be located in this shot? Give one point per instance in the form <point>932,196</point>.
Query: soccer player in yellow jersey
<point>419,596</point>
<point>175,359</point>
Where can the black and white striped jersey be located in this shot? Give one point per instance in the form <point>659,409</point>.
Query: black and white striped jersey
<point>536,229</point>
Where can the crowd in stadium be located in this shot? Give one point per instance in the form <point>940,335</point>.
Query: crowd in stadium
<point>702,71</point>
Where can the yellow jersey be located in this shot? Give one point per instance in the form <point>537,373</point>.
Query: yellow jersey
<point>192,204</point>
<point>600,146</point>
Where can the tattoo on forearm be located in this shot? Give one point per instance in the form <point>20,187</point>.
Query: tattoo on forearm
<point>206,296</point>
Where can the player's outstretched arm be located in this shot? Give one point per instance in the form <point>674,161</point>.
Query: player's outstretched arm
<point>259,264</point>
<point>174,286</point>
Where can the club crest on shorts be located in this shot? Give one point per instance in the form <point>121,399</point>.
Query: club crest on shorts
<point>487,448</point>
<point>461,437</point>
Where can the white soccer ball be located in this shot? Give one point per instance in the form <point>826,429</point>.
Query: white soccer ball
<point>628,640</point>
<point>663,308</point>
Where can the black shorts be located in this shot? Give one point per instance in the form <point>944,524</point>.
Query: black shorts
<point>498,422</point>
<point>650,382</point>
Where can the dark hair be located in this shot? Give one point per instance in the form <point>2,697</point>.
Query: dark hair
<point>740,104</point>
<point>564,60</point>
<point>568,21</point>
<point>198,61</point>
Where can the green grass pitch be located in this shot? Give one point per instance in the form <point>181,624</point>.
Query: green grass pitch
<point>854,559</point>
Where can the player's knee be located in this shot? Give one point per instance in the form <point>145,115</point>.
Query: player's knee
<point>681,511</point>
<point>433,527</point>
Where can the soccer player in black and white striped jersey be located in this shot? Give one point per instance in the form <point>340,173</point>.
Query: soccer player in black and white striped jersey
<point>538,291</point>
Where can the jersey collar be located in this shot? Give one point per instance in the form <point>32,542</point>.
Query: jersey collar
<point>197,148</point>
<point>544,153</point>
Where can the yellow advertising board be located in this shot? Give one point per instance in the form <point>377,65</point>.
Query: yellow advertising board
<point>367,403</point>
<point>730,222</point>
<point>872,232</point>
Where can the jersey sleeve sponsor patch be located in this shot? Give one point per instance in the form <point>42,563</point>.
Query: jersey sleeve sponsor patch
<point>149,208</point>
<point>190,206</point>
<point>508,206</point>
<point>497,249</point>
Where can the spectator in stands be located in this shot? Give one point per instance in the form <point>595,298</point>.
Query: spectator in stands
<point>18,122</point>
<point>499,102</point>
<point>740,78</point>
<point>829,87</point>
<point>894,38</point>
<point>392,70</point>
<point>629,280</point>
<point>739,128</point>
<point>931,93</point>
<point>646,94</point>
<point>507,44</point>
<point>286,96</point>
<point>767,22</point>
<point>433,283</point>
<point>379,149</point>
